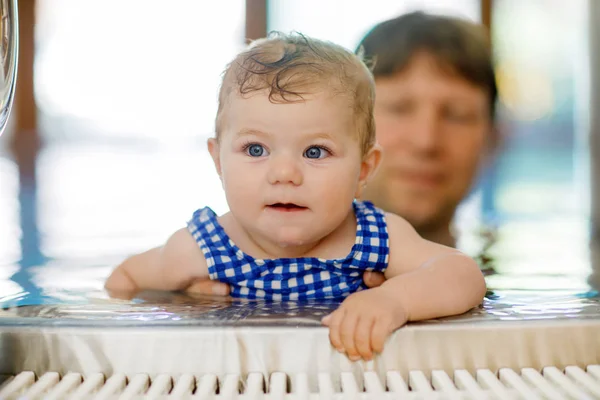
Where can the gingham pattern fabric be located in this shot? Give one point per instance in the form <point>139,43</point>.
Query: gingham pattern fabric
<point>293,278</point>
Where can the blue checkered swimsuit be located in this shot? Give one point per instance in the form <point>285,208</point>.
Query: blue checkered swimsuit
<point>293,278</point>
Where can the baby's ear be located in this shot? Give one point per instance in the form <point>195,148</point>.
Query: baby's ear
<point>368,167</point>
<point>213,149</point>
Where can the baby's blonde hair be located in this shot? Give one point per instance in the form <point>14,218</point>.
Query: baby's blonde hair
<point>292,66</point>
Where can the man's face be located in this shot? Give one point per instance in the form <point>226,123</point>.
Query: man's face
<point>433,127</point>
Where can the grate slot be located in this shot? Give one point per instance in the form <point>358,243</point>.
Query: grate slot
<point>583,379</point>
<point>594,371</point>
<point>542,384</point>
<point>348,383</point>
<point>18,384</point>
<point>419,382</point>
<point>90,386</point>
<point>278,384</point>
<point>184,386</point>
<point>511,379</point>
<point>395,382</point>
<point>464,381</point>
<point>556,376</point>
<point>40,387</point>
<point>230,386</point>
<point>255,384</point>
<point>442,382</point>
<point>488,380</point>
<point>301,386</point>
<point>372,383</point>
<point>112,387</point>
<point>207,386</point>
<point>138,385</point>
<point>160,386</point>
<point>67,384</point>
<point>326,388</point>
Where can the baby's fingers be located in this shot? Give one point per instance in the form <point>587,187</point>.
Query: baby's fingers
<point>121,294</point>
<point>381,329</point>
<point>347,330</point>
<point>362,337</point>
<point>333,321</point>
<point>208,287</point>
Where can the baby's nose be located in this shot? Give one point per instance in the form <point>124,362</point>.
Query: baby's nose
<point>283,170</point>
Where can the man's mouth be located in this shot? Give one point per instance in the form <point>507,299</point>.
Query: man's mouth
<point>422,178</point>
<point>286,207</point>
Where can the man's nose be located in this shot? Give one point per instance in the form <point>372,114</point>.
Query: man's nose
<point>284,169</point>
<point>424,136</point>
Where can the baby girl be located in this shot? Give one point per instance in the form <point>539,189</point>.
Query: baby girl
<point>294,149</point>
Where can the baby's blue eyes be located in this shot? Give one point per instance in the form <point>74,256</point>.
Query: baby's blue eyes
<point>255,150</point>
<point>313,152</point>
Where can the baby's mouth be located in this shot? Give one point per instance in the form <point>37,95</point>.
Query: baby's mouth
<point>286,207</point>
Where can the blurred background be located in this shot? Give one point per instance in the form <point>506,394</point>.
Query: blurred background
<point>106,154</point>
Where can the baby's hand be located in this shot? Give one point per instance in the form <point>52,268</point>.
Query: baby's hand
<point>363,322</point>
<point>119,284</point>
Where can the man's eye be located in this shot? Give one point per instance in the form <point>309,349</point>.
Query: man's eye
<point>401,108</point>
<point>460,116</point>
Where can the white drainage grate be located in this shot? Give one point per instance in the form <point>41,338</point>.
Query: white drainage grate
<point>528,383</point>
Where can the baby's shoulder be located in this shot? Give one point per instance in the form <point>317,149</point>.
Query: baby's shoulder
<point>226,221</point>
<point>182,250</point>
<point>399,229</point>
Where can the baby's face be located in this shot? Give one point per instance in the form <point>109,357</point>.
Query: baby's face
<point>290,171</point>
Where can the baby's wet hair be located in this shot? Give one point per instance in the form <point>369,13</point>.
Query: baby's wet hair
<point>290,67</point>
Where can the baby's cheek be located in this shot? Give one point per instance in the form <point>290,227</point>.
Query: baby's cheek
<point>237,179</point>
<point>238,190</point>
<point>339,191</point>
<point>335,204</point>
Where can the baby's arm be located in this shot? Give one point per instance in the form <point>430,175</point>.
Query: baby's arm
<point>425,280</point>
<point>172,266</point>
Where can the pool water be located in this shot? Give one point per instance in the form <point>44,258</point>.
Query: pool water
<point>91,206</point>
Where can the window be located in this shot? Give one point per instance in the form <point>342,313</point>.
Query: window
<point>542,62</point>
<point>538,190</point>
<point>345,22</point>
<point>135,69</point>
<point>127,94</point>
